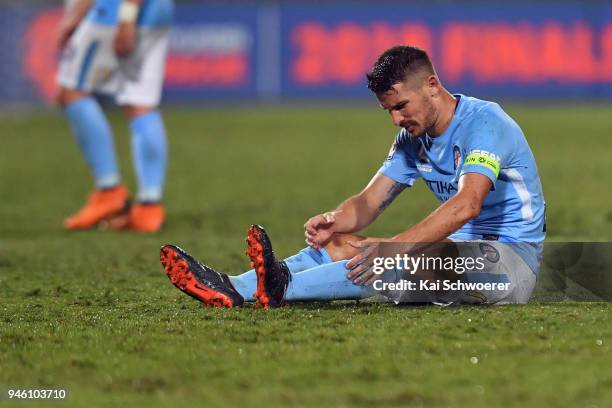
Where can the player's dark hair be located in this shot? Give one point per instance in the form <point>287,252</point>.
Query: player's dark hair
<point>395,65</point>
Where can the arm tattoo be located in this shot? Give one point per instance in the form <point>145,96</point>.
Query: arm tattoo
<point>393,192</point>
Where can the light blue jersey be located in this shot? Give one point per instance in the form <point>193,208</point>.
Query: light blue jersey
<point>481,138</point>
<point>153,13</point>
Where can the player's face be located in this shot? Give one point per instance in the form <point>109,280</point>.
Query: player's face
<point>411,106</point>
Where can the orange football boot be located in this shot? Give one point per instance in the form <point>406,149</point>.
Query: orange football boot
<point>147,217</point>
<point>198,280</point>
<point>273,276</point>
<point>101,204</point>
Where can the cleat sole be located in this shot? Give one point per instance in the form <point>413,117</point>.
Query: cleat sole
<point>255,252</point>
<point>181,276</point>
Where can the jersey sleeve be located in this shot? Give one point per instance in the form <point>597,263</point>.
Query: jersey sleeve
<point>488,147</point>
<point>400,164</point>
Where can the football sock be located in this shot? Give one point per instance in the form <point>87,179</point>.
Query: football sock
<point>325,282</point>
<point>95,138</point>
<point>149,153</point>
<point>307,258</point>
<point>329,282</point>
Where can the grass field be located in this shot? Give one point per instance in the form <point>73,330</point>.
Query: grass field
<point>93,312</point>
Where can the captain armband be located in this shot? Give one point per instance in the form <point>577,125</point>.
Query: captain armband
<point>485,159</point>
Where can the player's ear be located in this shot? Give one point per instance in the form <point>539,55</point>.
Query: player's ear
<point>433,85</point>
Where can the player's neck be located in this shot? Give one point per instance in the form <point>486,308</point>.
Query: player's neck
<point>445,114</point>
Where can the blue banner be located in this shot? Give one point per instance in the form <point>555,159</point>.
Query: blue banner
<point>507,51</point>
<point>324,51</point>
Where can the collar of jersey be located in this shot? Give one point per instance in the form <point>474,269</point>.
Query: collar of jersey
<point>455,121</point>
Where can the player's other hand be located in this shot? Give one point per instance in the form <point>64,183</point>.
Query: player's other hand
<point>360,266</point>
<point>319,229</point>
<point>125,39</point>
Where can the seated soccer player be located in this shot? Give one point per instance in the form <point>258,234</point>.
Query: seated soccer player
<point>471,155</point>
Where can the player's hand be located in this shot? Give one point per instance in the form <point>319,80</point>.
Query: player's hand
<point>360,266</point>
<point>125,39</point>
<point>319,229</point>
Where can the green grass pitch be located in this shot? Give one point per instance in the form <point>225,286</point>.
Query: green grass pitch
<point>93,312</point>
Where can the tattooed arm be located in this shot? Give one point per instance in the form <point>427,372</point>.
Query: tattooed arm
<point>355,213</point>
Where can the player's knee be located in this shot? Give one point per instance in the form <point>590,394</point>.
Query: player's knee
<point>67,96</point>
<point>339,248</point>
<point>133,111</point>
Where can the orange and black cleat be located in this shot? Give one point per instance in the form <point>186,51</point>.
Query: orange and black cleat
<point>100,205</point>
<point>147,217</point>
<point>141,217</point>
<point>273,276</point>
<point>197,280</point>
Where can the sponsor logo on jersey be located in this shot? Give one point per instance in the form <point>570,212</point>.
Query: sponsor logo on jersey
<point>440,187</point>
<point>424,167</point>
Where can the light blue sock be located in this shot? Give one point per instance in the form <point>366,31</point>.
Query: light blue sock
<point>149,153</point>
<point>307,258</point>
<point>325,282</point>
<point>95,138</point>
<point>329,282</point>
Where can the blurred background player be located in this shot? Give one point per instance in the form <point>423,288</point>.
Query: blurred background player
<point>117,47</point>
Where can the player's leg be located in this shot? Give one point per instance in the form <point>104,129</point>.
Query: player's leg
<point>275,281</point>
<point>93,134</point>
<point>508,265</point>
<point>149,151</point>
<point>317,274</point>
<point>305,259</point>
<point>139,98</point>
<point>84,62</point>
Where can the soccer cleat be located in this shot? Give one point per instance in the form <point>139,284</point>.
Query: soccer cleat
<point>273,276</point>
<point>100,205</point>
<point>146,217</point>
<point>141,217</point>
<point>197,280</point>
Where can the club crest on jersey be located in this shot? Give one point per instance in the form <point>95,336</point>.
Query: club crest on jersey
<point>489,252</point>
<point>456,156</point>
